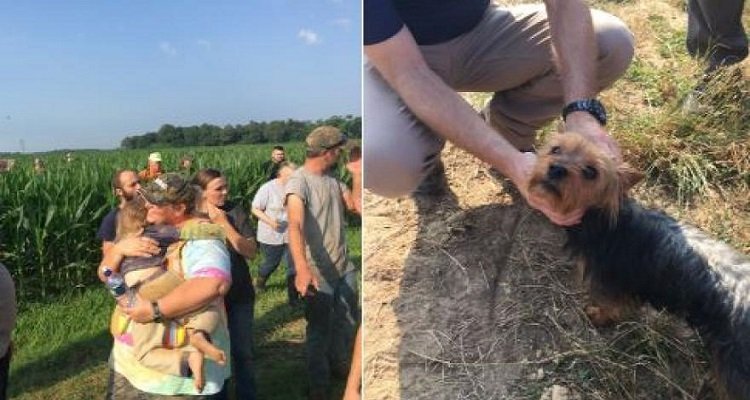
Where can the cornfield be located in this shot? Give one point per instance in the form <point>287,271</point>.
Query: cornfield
<point>49,219</point>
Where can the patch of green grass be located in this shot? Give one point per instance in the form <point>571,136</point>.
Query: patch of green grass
<point>691,153</point>
<point>64,341</point>
<point>61,348</point>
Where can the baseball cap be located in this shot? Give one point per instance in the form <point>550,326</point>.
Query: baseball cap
<point>168,188</point>
<point>324,138</point>
<point>155,157</point>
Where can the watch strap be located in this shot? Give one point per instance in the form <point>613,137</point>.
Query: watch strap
<point>591,106</point>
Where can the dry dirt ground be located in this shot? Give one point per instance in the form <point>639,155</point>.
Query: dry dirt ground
<point>472,296</point>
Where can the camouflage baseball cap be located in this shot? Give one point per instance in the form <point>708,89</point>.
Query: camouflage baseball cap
<point>168,189</point>
<point>324,138</point>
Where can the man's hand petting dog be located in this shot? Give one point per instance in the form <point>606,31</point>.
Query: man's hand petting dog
<point>590,128</point>
<point>526,162</point>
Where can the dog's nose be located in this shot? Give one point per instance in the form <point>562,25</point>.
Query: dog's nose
<point>556,172</point>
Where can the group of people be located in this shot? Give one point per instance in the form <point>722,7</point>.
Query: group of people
<point>154,167</point>
<point>539,61</point>
<point>186,327</point>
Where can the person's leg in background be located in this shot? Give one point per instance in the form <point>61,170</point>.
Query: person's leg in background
<point>715,32</point>
<point>291,291</point>
<point>319,316</point>
<point>353,389</point>
<point>5,371</point>
<point>346,319</point>
<point>272,255</point>
<point>716,35</point>
<point>240,318</point>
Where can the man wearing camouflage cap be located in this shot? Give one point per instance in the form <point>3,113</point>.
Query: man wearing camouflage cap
<point>205,266</point>
<point>316,202</point>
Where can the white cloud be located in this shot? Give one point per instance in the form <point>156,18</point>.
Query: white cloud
<point>308,36</point>
<point>345,23</point>
<point>167,49</point>
<point>205,44</point>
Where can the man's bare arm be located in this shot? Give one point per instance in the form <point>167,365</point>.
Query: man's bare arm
<point>576,51</point>
<point>354,203</point>
<point>295,209</point>
<point>401,64</point>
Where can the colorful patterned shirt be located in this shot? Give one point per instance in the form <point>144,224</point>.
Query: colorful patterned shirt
<point>200,258</point>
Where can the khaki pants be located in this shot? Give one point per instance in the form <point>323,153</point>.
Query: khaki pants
<point>508,53</point>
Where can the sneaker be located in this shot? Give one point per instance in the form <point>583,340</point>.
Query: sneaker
<point>718,62</point>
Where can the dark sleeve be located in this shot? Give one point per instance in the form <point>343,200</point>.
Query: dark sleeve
<point>381,21</point>
<point>273,171</point>
<point>108,228</point>
<point>241,222</point>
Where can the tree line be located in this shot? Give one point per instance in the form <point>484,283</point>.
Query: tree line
<point>250,133</point>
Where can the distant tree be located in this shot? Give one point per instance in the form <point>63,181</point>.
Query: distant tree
<point>253,132</point>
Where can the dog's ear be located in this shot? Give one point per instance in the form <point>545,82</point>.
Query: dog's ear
<point>629,176</point>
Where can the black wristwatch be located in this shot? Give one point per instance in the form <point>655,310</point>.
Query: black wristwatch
<point>591,106</point>
<point>157,313</point>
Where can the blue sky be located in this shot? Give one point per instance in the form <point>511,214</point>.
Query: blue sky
<point>85,74</point>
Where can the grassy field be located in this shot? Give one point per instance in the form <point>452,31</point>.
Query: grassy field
<point>48,222</point>
<point>61,347</point>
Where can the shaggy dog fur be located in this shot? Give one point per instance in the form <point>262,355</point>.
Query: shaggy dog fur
<point>630,255</point>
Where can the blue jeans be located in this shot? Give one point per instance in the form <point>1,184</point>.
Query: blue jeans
<point>332,316</point>
<point>240,318</point>
<point>272,255</point>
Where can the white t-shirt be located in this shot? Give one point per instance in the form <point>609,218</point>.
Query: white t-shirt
<point>270,200</point>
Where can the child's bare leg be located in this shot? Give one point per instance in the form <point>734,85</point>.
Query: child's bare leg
<point>199,340</point>
<point>195,363</point>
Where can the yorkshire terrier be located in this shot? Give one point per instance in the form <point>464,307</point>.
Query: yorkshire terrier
<point>630,255</point>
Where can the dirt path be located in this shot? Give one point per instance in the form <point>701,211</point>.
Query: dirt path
<point>473,297</point>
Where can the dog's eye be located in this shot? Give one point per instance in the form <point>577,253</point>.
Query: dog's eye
<point>589,172</point>
<point>555,150</point>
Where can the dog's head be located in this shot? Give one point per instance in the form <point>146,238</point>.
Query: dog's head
<point>572,173</point>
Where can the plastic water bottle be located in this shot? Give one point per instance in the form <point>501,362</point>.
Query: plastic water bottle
<point>119,289</point>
